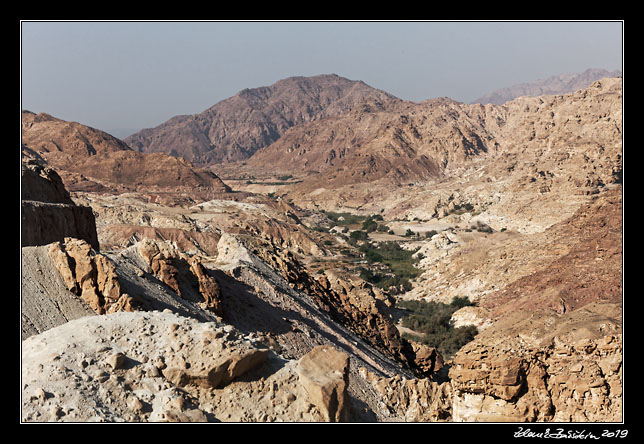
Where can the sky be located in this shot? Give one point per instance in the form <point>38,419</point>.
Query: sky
<point>121,76</point>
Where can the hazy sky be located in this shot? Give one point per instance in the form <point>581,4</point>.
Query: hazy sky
<point>112,75</point>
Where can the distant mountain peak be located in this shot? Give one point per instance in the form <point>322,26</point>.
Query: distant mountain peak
<point>557,84</point>
<point>235,128</point>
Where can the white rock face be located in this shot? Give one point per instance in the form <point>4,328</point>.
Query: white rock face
<point>231,251</point>
<point>161,367</point>
<point>129,367</point>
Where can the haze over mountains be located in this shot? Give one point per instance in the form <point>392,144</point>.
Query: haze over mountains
<point>257,261</point>
<point>235,128</point>
<point>556,84</point>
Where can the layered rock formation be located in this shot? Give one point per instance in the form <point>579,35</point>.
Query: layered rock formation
<point>543,367</point>
<point>501,159</point>
<point>89,275</point>
<point>183,274</point>
<point>525,201</point>
<point>48,213</point>
<point>359,307</point>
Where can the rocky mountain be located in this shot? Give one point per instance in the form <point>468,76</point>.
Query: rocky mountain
<point>492,156</point>
<point>559,84</point>
<point>281,297</point>
<point>91,160</point>
<point>398,144</point>
<point>235,128</point>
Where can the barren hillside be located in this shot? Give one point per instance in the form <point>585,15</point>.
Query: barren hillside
<point>362,259</point>
<point>235,128</point>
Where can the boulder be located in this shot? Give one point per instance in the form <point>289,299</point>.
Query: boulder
<point>89,275</point>
<point>324,374</point>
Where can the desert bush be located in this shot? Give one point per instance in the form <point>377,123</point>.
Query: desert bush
<point>483,228</point>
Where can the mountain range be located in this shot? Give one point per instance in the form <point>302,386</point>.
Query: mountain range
<point>557,84</point>
<point>235,128</point>
<point>318,250</point>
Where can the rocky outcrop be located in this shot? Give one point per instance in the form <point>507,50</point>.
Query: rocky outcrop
<point>567,369</point>
<point>359,307</point>
<point>92,160</point>
<point>531,367</point>
<point>48,213</point>
<point>414,400</point>
<point>90,275</point>
<point>355,307</point>
<point>160,367</point>
<point>45,301</point>
<point>324,375</point>
<point>183,274</point>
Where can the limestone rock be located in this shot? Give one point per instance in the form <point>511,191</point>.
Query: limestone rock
<point>323,373</point>
<point>160,367</point>
<point>566,370</point>
<point>47,212</point>
<point>45,299</point>
<point>88,274</point>
<point>414,400</point>
<point>181,273</point>
<point>100,368</point>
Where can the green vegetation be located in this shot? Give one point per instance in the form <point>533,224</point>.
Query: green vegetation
<point>369,225</point>
<point>398,267</point>
<point>461,209</point>
<point>356,236</point>
<point>432,319</point>
<point>345,218</point>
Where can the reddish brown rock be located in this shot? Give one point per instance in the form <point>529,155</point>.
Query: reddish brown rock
<point>91,159</point>
<point>183,274</point>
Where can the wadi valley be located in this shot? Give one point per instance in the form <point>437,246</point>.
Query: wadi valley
<point>319,250</point>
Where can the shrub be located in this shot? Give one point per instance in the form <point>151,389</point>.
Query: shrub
<point>483,228</point>
<point>369,225</point>
<point>345,218</point>
<point>358,235</point>
<point>382,228</point>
